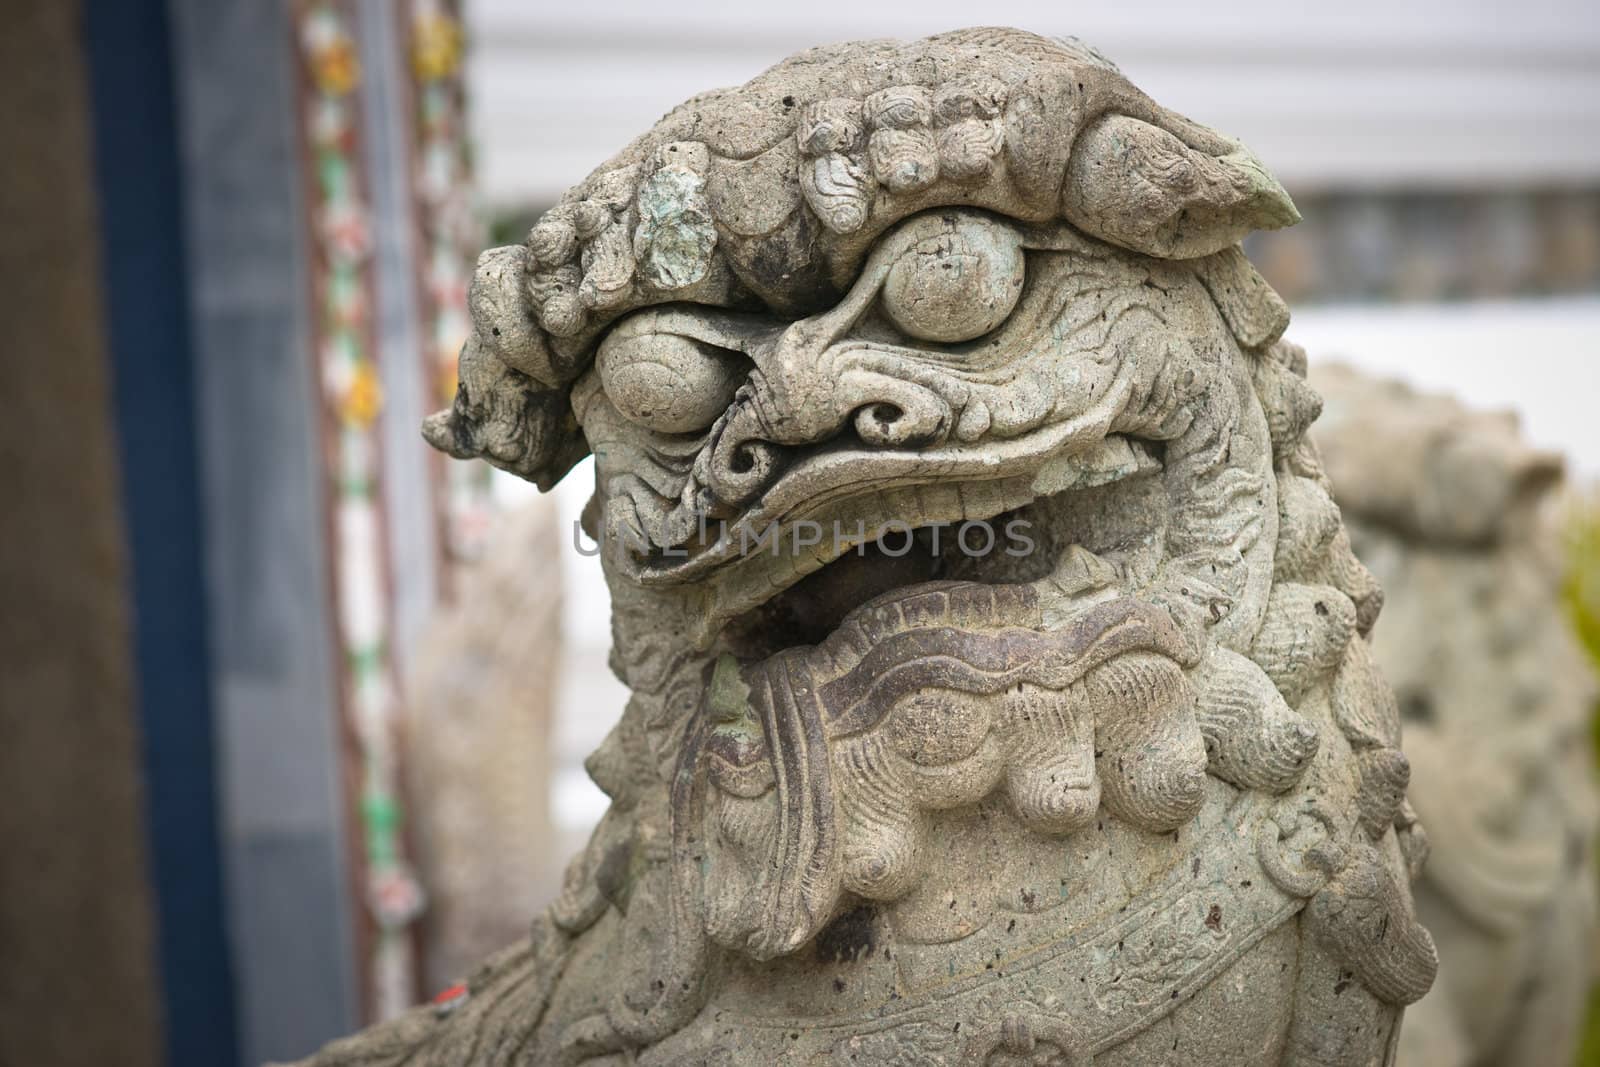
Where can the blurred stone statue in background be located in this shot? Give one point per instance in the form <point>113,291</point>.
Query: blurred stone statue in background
<point>1449,507</point>
<point>1000,687</point>
<point>482,696</point>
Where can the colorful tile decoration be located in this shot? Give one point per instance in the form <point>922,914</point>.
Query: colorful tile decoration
<point>451,238</point>
<point>352,395</point>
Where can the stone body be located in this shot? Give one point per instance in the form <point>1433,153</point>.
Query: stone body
<point>1449,507</point>
<point>1124,788</point>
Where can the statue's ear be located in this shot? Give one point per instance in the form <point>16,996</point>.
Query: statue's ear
<point>512,405</point>
<point>1136,185</point>
<point>508,419</point>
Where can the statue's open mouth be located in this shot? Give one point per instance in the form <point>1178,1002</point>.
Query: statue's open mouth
<point>843,525</point>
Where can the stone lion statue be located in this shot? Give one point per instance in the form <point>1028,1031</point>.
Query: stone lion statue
<point>1447,505</point>
<point>1000,685</point>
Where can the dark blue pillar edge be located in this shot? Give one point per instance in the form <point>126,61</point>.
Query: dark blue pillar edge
<point>138,182</point>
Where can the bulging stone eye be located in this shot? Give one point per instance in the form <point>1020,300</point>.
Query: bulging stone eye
<point>956,285</point>
<point>666,381</point>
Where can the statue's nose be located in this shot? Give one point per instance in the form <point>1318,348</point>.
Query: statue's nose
<point>788,401</point>
<point>811,387</point>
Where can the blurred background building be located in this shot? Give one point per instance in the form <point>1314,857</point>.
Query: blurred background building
<point>237,239</point>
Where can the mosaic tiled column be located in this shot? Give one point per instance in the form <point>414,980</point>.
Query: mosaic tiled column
<point>351,394</point>
<point>450,237</point>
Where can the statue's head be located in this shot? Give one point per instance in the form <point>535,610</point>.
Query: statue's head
<point>881,283</point>
<point>949,468</point>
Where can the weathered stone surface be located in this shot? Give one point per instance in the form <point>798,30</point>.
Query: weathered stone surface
<point>1085,757</point>
<point>1450,508</point>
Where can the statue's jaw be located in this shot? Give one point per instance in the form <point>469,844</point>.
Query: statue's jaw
<point>928,699</point>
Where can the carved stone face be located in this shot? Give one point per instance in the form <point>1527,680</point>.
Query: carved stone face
<point>1058,365</point>
<point>1026,378</point>
<point>981,296</point>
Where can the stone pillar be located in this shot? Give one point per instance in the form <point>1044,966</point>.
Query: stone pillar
<point>79,985</point>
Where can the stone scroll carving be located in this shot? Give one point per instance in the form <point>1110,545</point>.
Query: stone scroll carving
<point>1449,507</point>
<point>1123,786</point>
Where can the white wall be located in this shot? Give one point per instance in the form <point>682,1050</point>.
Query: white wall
<point>1359,92</point>
<point>1539,358</point>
